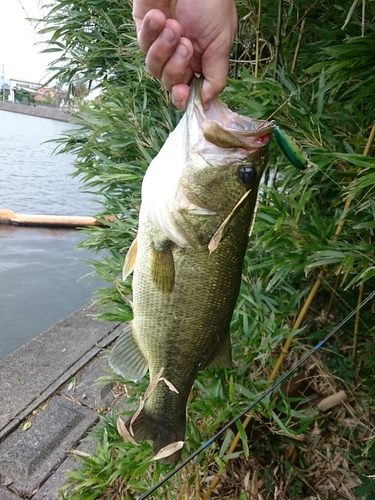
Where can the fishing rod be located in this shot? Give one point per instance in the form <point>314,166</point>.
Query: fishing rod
<point>257,400</point>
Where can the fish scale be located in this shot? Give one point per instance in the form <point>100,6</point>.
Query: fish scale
<point>183,293</point>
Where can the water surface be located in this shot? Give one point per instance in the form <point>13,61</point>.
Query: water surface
<point>40,269</point>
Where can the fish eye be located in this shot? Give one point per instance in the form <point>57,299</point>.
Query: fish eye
<point>247,173</point>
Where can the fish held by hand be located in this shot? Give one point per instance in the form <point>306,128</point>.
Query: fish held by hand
<point>199,199</point>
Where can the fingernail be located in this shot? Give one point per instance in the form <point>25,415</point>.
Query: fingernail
<point>168,35</point>
<point>177,101</point>
<point>153,25</point>
<point>181,51</point>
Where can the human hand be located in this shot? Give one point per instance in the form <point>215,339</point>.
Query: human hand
<point>183,37</point>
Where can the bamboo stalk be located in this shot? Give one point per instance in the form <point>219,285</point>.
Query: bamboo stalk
<point>297,323</point>
<point>348,201</point>
<point>356,324</point>
<point>257,38</point>
<point>197,484</point>
<point>370,140</point>
<point>278,37</point>
<point>296,52</point>
<point>72,221</point>
<point>231,450</point>
<point>333,400</point>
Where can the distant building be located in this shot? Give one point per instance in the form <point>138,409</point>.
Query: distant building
<point>45,94</point>
<point>41,94</point>
<point>21,84</point>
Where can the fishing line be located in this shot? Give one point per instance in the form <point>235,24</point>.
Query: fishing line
<point>344,189</point>
<point>287,101</point>
<point>257,400</point>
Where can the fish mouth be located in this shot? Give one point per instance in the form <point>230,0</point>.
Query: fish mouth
<point>231,121</point>
<point>224,127</point>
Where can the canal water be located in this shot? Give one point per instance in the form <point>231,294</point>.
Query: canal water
<point>41,273</point>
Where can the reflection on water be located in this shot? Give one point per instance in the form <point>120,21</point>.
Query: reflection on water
<point>40,269</point>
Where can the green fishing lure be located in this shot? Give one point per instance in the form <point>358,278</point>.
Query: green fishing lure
<point>292,151</point>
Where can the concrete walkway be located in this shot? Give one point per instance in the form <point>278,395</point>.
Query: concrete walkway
<point>41,419</point>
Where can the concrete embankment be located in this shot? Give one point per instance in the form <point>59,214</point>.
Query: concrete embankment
<point>42,112</point>
<point>49,401</point>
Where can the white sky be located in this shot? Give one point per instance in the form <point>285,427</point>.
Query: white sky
<point>18,52</point>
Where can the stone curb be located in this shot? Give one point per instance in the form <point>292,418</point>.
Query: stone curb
<point>41,112</point>
<point>59,382</point>
<point>30,371</point>
<point>30,456</point>
<point>35,446</point>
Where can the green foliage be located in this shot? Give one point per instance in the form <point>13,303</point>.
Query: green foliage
<point>23,96</point>
<point>325,92</point>
<point>367,489</point>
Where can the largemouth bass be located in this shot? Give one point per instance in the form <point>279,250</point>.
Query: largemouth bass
<point>199,200</point>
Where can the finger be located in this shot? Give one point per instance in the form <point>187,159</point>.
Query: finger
<point>163,48</point>
<point>149,28</point>
<point>180,95</point>
<point>176,69</point>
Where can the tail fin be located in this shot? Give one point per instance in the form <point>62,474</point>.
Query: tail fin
<point>148,427</point>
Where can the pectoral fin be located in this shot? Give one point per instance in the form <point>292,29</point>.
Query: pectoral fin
<point>223,355</point>
<point>162,267</point>
<point>126,358</point>
<point>130,260</point>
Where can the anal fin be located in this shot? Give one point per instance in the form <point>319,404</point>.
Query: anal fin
<point>126,358</point>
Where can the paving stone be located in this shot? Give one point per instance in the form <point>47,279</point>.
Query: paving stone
<point>33,463</point>
<point>5,494</point>
<point>34,367</point>
<point>49,490</point>
<point>27,458</point>
<point>86,389</point>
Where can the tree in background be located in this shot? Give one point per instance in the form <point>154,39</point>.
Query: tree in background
<point>79,91</point>
<point>23,96</point>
